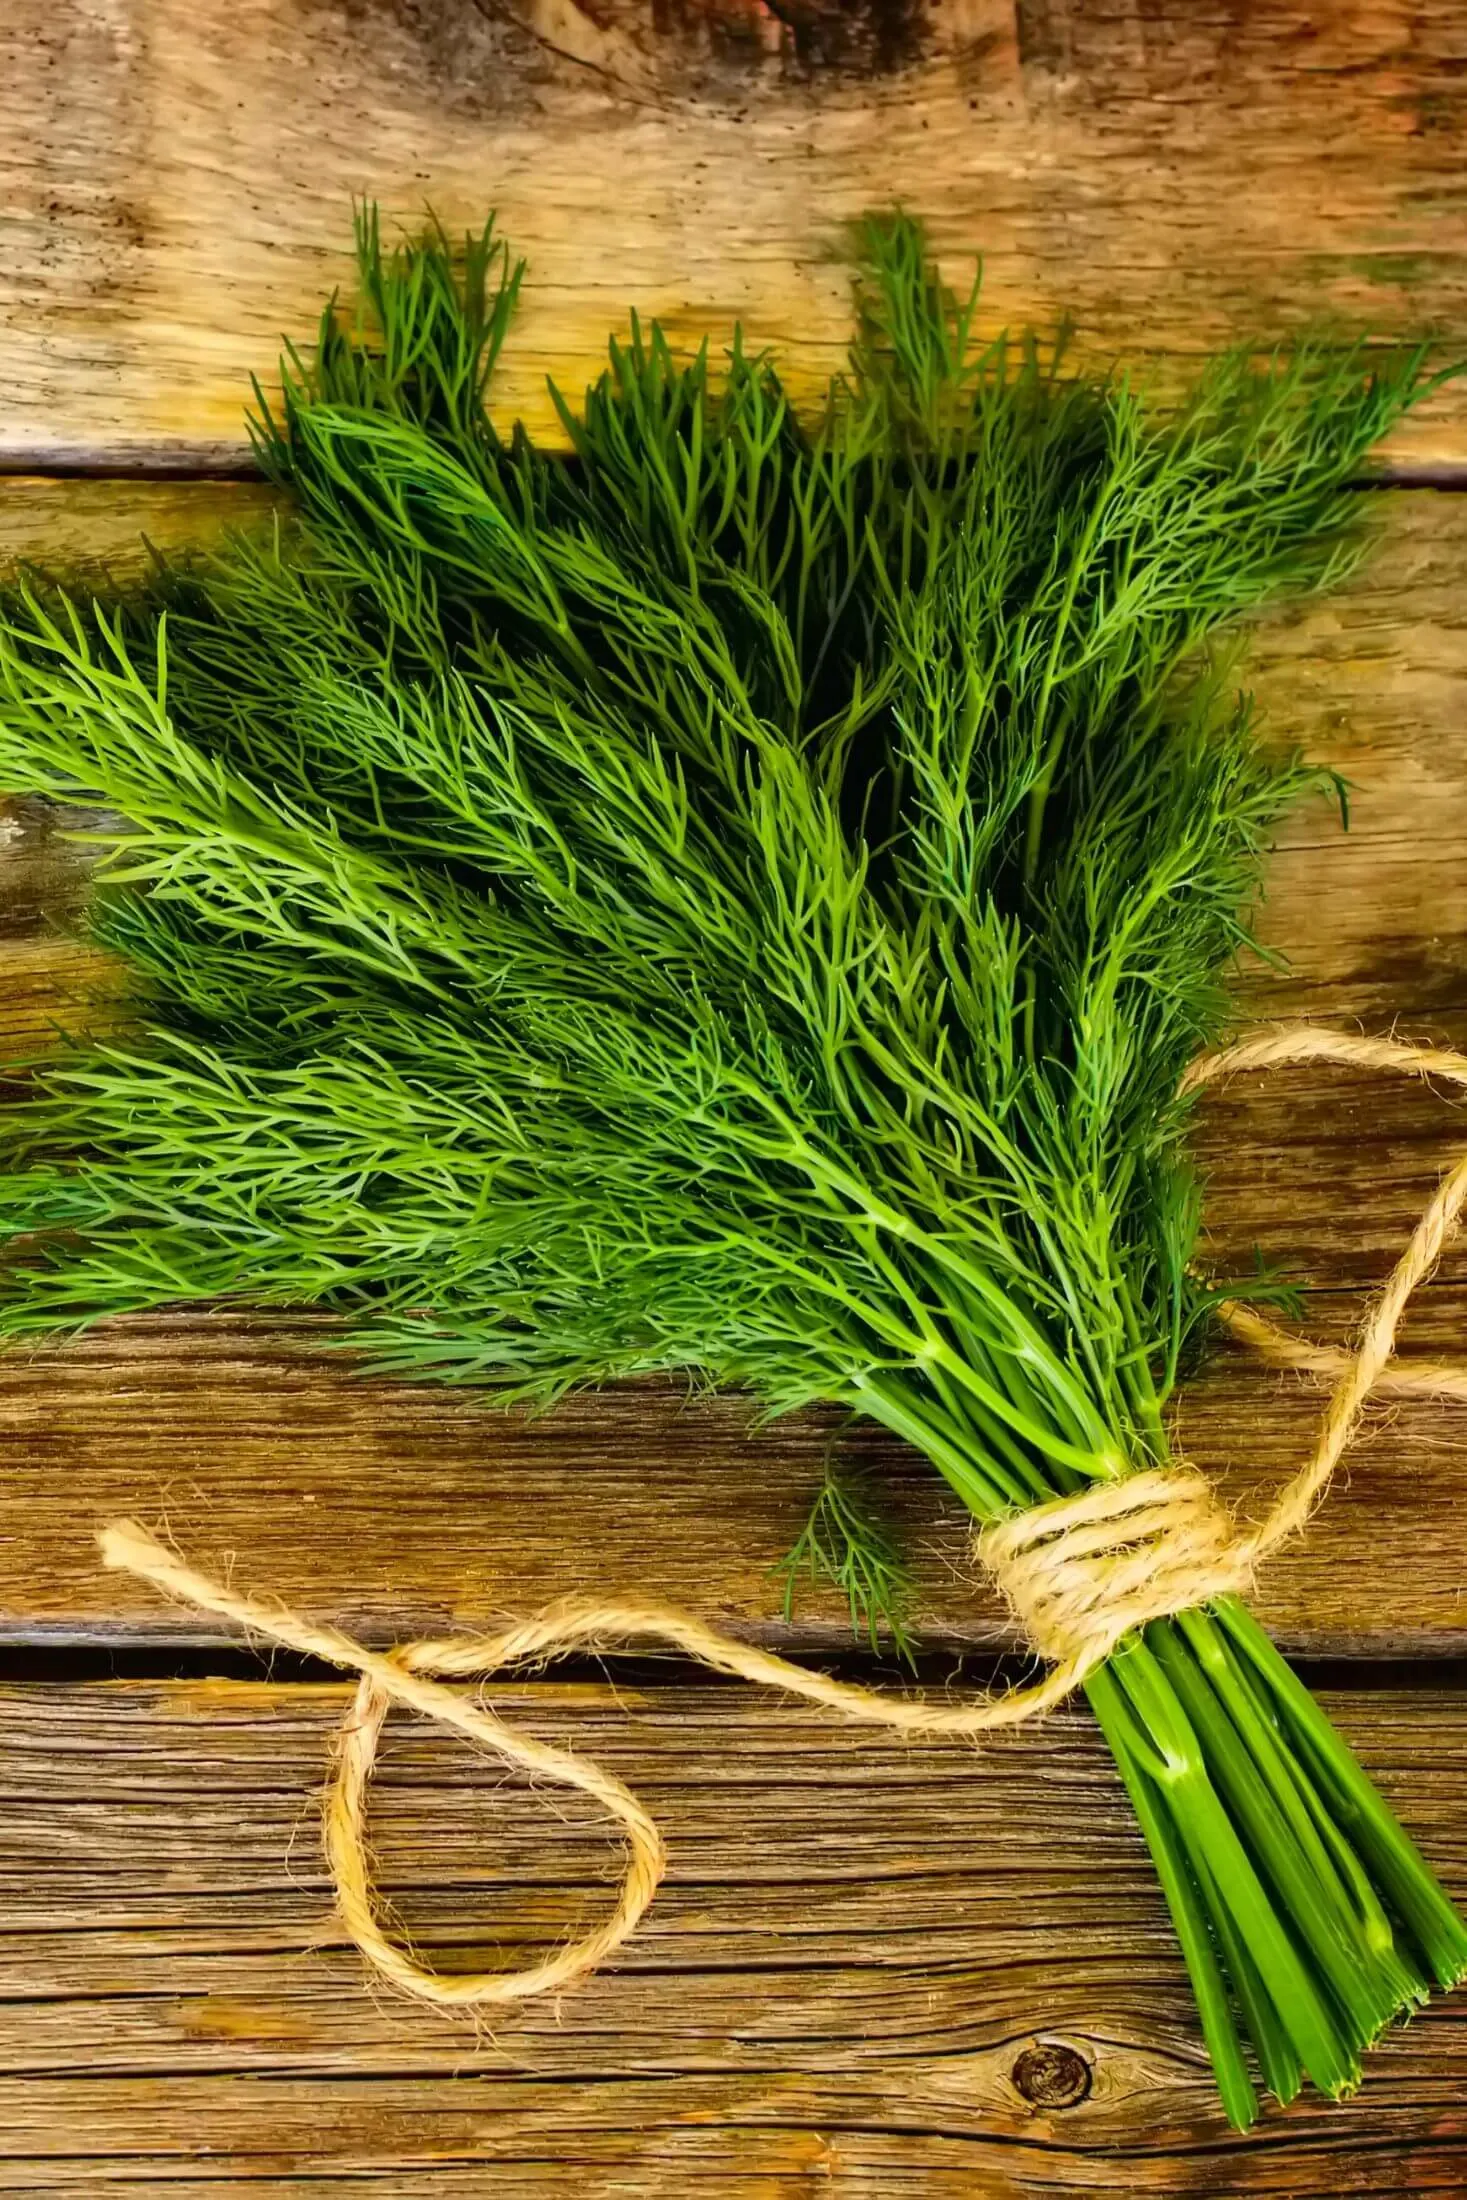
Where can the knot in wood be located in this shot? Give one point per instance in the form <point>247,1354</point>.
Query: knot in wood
<point>1050,2075</point>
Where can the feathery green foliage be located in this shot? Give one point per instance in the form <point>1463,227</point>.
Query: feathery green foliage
<point>740,902</point>
<point>845,1540</point>
<point>743,903</point>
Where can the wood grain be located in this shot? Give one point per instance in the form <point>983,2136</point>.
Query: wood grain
<point>399,1509</point>
<point>175,177</point>
<point>874,1969</point>
<point>96,527</point>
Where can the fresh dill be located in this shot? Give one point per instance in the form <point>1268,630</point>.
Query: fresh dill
<point>739,901</point>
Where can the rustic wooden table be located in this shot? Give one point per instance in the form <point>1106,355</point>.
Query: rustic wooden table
<point>875,1970</point>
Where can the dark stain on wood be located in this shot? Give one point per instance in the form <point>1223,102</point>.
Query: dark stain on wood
<point>473,60</point>
<point>859,37</point>
<point>669,51</point>
<point>1154,42</point>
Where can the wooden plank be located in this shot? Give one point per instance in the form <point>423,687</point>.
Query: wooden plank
<point>399,1509</point>
<point>1372,681</point>
<point>106,525</point>
<point>175,178</point>
<point>875,1969</point>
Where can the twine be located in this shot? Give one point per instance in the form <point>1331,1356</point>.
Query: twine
<point>1078,1574</point>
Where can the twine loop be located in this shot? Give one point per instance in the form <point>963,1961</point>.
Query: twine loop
<point>1078,1574</point>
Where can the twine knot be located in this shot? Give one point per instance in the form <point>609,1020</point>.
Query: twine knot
<point>1079,1575</point>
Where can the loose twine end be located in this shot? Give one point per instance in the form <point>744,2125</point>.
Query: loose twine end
<point>1078,1574</point>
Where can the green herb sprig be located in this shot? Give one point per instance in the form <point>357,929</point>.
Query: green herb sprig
<point>740,901</point>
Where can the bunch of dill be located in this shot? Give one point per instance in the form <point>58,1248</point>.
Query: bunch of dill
<point>740,901</point>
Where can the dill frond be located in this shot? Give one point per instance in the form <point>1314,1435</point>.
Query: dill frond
<point>846,1541</point>
<point>739,901</point>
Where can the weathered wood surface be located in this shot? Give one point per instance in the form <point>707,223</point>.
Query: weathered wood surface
<point>175,178</point>
<point>398,1509</point>
<point>883,1972</point>
<point>875,1970</point>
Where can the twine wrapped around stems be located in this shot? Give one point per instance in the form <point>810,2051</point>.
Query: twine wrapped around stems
<point>1078,1574</point>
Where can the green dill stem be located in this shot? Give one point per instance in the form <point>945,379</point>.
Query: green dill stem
<point>1240,2102</point>
<point>1405,1879</point>
<point>1294,1772</point>
<point>1020,1474</point>
<point>1047,745</point>
<point>1337,1869</point>
<point>1218,1854</point>
<point>1308,1888</point>
<point>987,1491</point>
<point>1282,2072</point>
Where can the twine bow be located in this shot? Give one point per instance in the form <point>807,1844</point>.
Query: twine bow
<point>1078,1574</point>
